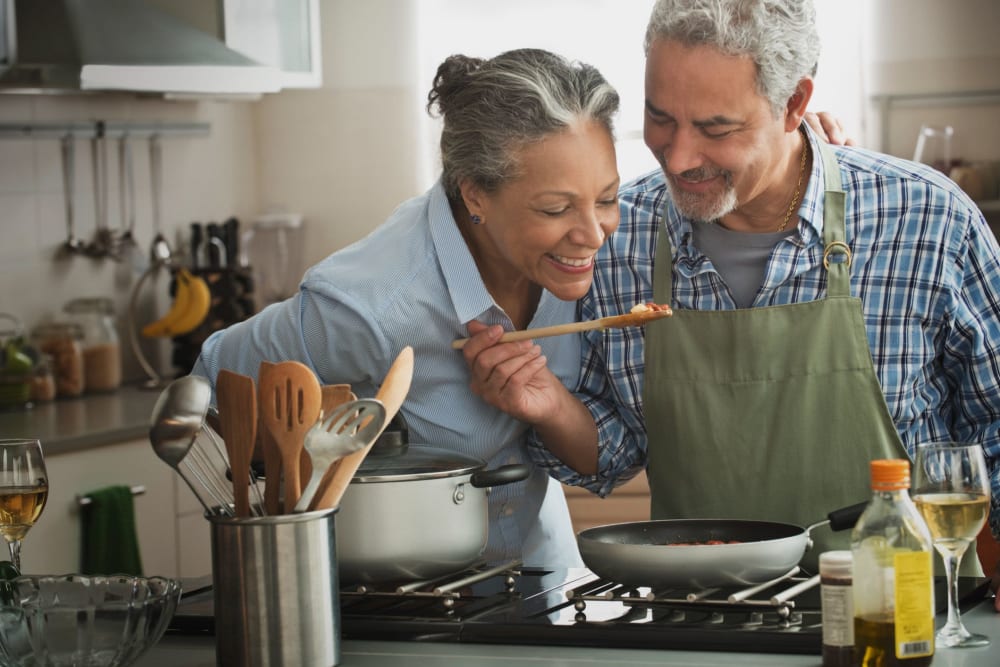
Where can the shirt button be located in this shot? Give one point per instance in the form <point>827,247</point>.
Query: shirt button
<point>509,511</point>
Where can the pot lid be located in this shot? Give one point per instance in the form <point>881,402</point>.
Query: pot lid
<point>415,462</point>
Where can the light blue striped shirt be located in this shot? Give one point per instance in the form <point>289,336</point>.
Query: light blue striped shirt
<point>925,266</point>
<point>413,281</point>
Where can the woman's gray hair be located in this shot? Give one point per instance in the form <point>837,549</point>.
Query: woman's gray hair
<point>779,36</point>
<point>493,108</point>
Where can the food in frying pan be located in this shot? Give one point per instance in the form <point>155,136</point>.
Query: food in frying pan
<point>693,544</point>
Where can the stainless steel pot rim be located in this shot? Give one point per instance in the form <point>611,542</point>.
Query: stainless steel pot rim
<point>417,462</point>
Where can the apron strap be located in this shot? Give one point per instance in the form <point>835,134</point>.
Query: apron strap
<point>836,252</point>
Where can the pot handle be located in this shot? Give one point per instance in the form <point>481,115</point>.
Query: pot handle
<point>846,517</point>
<point>508,474</point>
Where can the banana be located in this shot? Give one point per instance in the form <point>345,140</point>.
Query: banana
<point>192,301</point>
<point>200,297</point>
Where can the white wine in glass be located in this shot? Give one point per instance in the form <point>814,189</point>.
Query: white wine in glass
<point>24,488</point>
<point>951,490</point>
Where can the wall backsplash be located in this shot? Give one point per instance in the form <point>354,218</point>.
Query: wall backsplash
<point>204,178</point>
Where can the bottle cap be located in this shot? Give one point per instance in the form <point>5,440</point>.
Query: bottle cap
<point>837,564</point>
<point>890,474</point>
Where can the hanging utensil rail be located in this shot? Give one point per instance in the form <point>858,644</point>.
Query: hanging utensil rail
<point>107,129</point>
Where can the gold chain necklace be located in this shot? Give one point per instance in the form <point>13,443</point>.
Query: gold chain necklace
<point>798,187</point>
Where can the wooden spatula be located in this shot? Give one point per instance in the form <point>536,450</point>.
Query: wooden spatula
<point>236,397</point>
<point>291,405</point>
<point>269,447</point>
<point>392,393</point>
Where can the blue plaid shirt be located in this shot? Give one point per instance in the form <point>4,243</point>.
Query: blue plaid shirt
<point>925,265</point>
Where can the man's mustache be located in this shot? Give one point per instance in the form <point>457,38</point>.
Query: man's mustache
<point>700,174</point>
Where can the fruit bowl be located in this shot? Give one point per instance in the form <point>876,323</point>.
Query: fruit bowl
<point>83,621</point>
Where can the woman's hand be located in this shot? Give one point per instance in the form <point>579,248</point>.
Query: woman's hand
<point>512,377</point>
<point>829,128</point>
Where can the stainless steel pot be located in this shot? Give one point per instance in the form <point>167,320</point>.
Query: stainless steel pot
<point>416,512</point>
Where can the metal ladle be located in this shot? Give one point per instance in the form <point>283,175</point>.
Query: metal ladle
<point>178,418</point>
<point>160,252</point>
<point>67,148</point>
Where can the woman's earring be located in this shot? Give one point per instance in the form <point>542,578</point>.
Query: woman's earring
<point>476,220</point>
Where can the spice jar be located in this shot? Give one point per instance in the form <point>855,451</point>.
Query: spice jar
<point>835,578</point>
<point>102,361</point>
<point>62,341</point>
<point>43,382</point>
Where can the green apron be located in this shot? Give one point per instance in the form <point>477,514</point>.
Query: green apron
<point>766,413</point>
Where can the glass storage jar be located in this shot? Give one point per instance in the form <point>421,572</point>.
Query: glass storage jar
<point>63,342</point>
<point>102,359</point>
<point>15,365</point>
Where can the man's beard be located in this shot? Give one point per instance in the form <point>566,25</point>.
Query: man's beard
<point>703,208</point>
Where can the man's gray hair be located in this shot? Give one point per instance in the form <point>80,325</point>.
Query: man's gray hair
<point>493,108</point>
<point>779,36</point>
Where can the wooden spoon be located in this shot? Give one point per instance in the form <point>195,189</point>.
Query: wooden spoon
<point>392,393</point>
<point>290,408</point>
<point>333,396</point>
<point>614,321</point>
<point>236,397</point>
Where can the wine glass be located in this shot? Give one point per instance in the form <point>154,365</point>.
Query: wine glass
<point>951,490</point>
<point>24,487</point>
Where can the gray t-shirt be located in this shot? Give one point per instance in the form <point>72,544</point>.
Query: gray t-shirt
<point>739,257</point>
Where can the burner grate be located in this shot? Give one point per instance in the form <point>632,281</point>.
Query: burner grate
<point>456,596</point>
<point>778,595</point>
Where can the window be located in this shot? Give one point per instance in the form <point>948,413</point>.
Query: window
<point>609,34</point>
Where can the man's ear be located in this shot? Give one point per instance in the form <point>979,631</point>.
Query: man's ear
<point>796,106</point>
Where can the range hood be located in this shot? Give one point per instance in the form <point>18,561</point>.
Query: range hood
<point>119,45</point>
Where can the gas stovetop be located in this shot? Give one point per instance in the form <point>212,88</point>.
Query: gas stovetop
<point>514,604</point>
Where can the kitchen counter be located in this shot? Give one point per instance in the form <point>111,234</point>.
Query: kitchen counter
<point>74,424</point>
<point>200,652</point>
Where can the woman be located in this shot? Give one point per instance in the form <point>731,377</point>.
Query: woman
<point>527,195</point>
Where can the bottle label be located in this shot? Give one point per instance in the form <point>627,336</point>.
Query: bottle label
<point>914,604</point>
<point>838,615</point>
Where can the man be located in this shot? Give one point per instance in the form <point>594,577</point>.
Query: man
<point>831,306</point>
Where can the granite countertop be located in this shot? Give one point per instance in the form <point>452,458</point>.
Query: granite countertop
<point>199,651</point>
<point>74,424</point>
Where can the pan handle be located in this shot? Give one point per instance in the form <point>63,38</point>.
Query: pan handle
<point>846,517</point>
<point>503,475</point>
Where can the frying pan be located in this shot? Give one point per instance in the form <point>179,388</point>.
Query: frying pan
<point>637,553</point>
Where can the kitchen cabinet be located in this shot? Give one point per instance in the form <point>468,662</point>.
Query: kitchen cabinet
<point>629,502</point>
<point>52,546</point>
<point>281,33</point>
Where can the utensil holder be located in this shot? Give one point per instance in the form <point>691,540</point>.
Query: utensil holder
<point>276,590</point>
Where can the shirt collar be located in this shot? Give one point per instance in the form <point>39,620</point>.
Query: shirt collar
<point>811,208</point>
<point>465,286</point>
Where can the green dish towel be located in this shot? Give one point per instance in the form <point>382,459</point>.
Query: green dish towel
<point>110,542</point>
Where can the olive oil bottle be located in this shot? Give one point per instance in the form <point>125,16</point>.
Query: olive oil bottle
<point>893,586</point>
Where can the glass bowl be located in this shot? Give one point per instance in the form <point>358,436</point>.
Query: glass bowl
<point>83,621</point>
